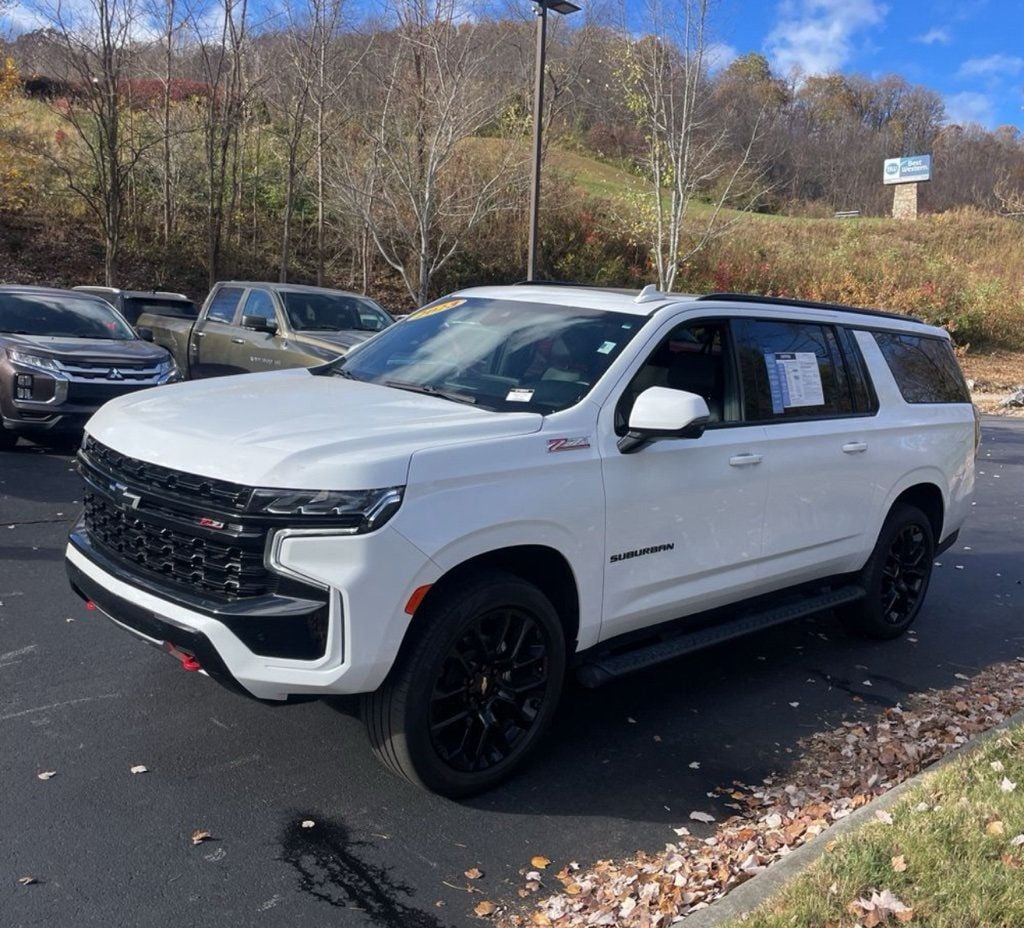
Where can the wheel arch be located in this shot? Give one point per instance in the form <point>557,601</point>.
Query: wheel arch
<point>927,497</point>
<point>543,566</point>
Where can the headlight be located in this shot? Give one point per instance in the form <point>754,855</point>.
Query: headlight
<point>33,360</point>
<point>168,370</point>
<point>358,510</point>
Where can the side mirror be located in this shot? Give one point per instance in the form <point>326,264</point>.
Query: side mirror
<point>145,333</point>
<point>663,413</point>
<point>259,324</point>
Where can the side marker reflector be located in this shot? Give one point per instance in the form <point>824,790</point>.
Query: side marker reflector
<point>90,605</point>
<point>416,599</point>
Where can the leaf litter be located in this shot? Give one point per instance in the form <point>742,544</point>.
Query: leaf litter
<point>838,772</point>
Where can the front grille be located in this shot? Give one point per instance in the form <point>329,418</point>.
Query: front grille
<point>164,481</point>
<point>160,542</point>
<point>96,393</point>
<point>113,372</point>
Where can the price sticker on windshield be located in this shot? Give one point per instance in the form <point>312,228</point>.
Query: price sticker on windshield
<point>439,308</point>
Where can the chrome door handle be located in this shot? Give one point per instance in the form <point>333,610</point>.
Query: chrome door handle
<point>238,341</point>
<point>744,460</point>
<point>855,447</point>
<point>199,335</point>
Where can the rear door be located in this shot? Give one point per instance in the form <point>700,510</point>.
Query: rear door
<point>211,348</point>
<point>803,384</point>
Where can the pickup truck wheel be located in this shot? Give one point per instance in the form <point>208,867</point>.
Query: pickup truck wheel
<point>473,693</point>
<point>895,577</point>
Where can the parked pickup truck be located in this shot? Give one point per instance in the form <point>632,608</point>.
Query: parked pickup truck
<point>246,327</point>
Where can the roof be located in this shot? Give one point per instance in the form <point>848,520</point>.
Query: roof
<point>297,288</point>
<point>131,294</point>
<point>44,291</point>
<point>648,301</point>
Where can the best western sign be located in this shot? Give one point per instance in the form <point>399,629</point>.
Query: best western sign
<point>907,170</point>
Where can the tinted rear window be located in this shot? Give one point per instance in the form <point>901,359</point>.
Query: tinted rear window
<point>925,368</point>
<point>135,306</point>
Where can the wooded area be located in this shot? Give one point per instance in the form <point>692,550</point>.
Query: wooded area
<point>313,144</point>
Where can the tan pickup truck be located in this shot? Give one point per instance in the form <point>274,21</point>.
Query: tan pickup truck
<point>246,327</point>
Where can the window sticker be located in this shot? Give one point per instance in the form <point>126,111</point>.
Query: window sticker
<point>607,347</point>
<point>519,395</point>
<point>439,308</point>
<point>794,380</point>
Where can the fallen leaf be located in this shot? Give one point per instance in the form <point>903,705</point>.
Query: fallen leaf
<point>795,705</point>
<point>695,765</point>
<point>47,774</point>
<point>473,873</point>
<point>884,817</point>
<point>1018,841</point>
<point>540,862</point>
<point>27,880</point>
<point>899,864</point>
<point>702,817</point>
<point>140,768</point>
<point>308,823</point>
<point>997,766</point>
<point>199,836</point>
<point>773,821</point>
<point>995,828</point>
<point>1007,786</point>
<point>1011,862</point>
<point>485,909</point>
<point>682,832</point>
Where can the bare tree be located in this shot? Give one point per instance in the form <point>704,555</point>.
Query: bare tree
<point>665,78</point>
<point>415,174</point>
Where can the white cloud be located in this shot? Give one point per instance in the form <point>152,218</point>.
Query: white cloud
<point>935,36</point>
<point>817,36</point>
<point>962,108</point>
<point>997,65</point>
<point>718,55</point>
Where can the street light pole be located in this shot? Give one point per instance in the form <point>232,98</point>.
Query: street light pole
<point>541,11</point>
<point>540,8</point>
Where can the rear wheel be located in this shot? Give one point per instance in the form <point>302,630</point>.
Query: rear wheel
<point>895,577</point>
<point>473,692</point>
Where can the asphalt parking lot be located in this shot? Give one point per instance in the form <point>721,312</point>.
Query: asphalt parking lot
<point>83,698</point>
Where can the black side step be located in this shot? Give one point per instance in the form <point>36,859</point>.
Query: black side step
<point>610,666</point>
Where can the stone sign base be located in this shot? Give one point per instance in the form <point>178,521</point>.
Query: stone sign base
<point>904,201</point>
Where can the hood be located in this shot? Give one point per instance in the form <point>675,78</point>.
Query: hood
<point>291,429</point>
<point>332,341</point>
<point>97,350</point>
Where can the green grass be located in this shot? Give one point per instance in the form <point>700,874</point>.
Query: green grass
<point>961,871</point>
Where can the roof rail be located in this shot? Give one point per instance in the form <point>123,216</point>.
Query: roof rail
<point>806,304</point>
<point>632,291</point>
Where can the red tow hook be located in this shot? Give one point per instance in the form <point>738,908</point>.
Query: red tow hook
<point>188,661</point>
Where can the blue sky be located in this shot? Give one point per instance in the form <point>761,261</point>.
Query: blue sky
<point>971,52</point>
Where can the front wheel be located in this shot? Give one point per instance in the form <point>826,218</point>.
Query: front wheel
<point>474,690</point>
<point>895,577</point>
<point>8,439</point>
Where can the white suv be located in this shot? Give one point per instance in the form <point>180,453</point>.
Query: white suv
<point>515,481</point>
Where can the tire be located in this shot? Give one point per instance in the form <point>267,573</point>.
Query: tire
<point>895,577</point>
<point>8,439</point>
<point>458,714</point>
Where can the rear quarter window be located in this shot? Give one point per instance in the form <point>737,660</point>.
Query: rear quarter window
<point>924,368</point>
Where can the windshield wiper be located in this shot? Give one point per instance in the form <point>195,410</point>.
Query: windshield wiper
<point>348,375</point>
<point>428,390</point>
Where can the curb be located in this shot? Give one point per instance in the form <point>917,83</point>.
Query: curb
<point>749,895</point>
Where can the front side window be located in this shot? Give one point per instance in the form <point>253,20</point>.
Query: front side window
<point>501,355</point>
<point>332,312</point>
<point>61,317</point>
<point>925,368</point>
<point>224,304</point>
<point>693,357</point>
<point>260,303</point>
<point>791,370</point>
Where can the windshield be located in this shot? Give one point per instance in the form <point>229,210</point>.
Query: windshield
<point>501,355</point>
<point>333,312</point>
<point>61,316</point>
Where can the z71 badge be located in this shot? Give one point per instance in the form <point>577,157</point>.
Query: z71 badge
<point>568,444</point>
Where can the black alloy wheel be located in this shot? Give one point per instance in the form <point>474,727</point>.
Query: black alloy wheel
<point>896,576</point>
<point>475,686</point>
<point>490,691</point>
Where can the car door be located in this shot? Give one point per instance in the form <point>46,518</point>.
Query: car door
<point>798,383</point>
<point>684,517</point>
<point>260,350</point>
<point>211,346</point>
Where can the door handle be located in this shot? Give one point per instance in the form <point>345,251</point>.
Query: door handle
<point>199,335</point>
<point>855,447</point>
<point>744,460</point>
<point>238,341</point>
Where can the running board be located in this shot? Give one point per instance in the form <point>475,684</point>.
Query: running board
<point>610,666</point>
